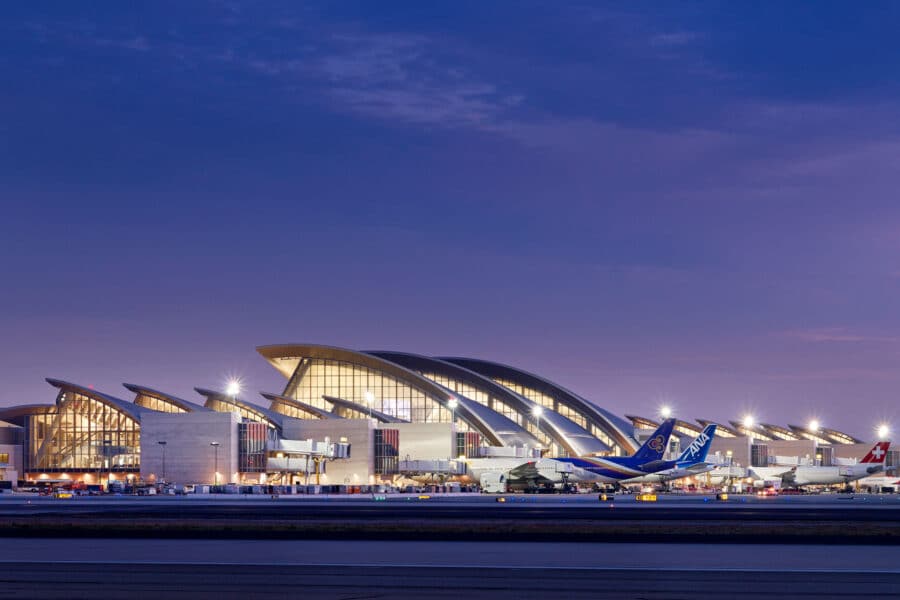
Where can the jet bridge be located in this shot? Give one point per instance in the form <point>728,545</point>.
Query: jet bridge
<point>448,468</point>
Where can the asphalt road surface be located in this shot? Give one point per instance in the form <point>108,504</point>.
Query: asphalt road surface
<point>63,568</point>
<point>790,508</point>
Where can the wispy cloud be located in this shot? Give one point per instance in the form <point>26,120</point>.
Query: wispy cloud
<point>672,39</point>
<point>392,76</point>
<point>837,335</point>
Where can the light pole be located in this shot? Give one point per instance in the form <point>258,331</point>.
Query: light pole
<point>163,444</point>
<point>370,399</point>
<point>215,445</point>
<point>107,444</point>
<point>537,410</point>
<point>453,404</point>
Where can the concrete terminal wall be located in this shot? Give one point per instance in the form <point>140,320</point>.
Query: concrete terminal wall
<point>359,469</point>
<point>189,456</point>
<point>425,441</point>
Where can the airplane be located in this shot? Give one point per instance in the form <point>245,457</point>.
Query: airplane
<point>691,462</point>
<point>551,471</point>
<point>517,472</point>
<point>796,477</point>
<point>615,469</point>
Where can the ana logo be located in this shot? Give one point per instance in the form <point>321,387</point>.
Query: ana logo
<point>697,444</point>
<point>656,443</point>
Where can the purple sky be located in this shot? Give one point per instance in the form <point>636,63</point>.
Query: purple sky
<point>694,204</point>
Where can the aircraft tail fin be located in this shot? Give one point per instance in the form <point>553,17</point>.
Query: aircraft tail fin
<point>699,448</point>
<point>877,453</point>
<point>655,446</point>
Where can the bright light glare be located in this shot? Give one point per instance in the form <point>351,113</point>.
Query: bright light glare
<point>666,412</point>
<point>749,421</point>
<point>453,403</point>
<point>883,431</point>
<point>537,410</point>
<point>370,397</point>
<point>234,387</point>
<point>814,425</point>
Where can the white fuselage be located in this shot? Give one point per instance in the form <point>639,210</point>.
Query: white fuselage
<point>545,469</point>
<point>671,474</point>
<point>800,476</point>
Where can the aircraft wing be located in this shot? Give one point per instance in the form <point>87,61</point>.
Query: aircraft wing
<point>700,467</point>
<point>528,471</point>
<point>655,465</point>
<point>769,473</point>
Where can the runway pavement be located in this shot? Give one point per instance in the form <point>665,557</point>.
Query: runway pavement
<point>839,519</point>
<point>63,568</point>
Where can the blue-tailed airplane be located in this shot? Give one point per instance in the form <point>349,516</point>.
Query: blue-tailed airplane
<point>614,469</point>
<point>690,462</point>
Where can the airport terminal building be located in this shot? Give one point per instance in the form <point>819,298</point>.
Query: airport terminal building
<point>348,418</point>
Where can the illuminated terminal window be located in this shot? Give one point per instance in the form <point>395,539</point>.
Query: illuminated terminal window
<point>157,404</point>
<point>325,377</point>
<point>289,410</point>
<point>82,434</point>
<point>533,395</point>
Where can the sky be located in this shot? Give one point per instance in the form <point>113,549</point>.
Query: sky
<point>692,204</point>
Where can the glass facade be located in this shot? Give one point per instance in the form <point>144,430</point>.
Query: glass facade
<point>387,451</point>
<point>563,409</point>
<point>289,410</point>
<point>82,434</point>
<point>318,377</point>
<point>478,395</point>
<point>468,443</point>
<point>158,404</point>
<point>252,438</point>
<point>247,414</point>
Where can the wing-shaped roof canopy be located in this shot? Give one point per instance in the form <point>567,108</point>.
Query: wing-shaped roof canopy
<point>128,408</point>
<point>840,437</point>
<point>309,409</point>
<point>778,432</point>
<point>615,427</point>
<point>362,410</point>
<point>184,405</point>
<point>722,430</point>
<point>17,414</point>
<point>757,431</point>
<point>252,411</point>
<point>575,439</point>
<point>816,436</point>
<point>499,430</point>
